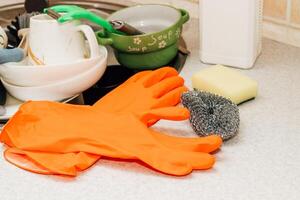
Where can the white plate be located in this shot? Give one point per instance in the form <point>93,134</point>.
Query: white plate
<point>12,105</point>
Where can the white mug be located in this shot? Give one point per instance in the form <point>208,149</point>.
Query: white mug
<point>53,43</point>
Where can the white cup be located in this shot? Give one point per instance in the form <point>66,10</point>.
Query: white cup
<point>53,43</point>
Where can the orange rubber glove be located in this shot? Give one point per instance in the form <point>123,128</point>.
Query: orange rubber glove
<point>143,91</point>
<point>42,129</point>
<point>154,89</point>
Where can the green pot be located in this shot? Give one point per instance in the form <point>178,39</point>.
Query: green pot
<point>155,48</point>
<point>150,60</point>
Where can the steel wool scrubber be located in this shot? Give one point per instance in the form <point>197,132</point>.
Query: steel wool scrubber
<point>211,114</point>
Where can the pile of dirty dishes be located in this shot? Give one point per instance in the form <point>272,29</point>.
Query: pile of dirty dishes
<point>63,60</point>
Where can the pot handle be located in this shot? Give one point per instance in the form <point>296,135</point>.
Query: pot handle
<point>184,15</point>
<point>102,39</point>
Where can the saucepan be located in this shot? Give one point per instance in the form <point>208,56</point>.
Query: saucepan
<point>162,25</point>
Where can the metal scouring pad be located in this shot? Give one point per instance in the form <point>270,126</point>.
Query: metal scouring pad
<point>212,114</point>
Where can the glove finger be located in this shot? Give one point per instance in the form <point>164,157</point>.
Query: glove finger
<point>138,76</point>
<point>176,162</point>
<point>50,163</point>
<point>158,75</point>
<point>200,144</point>
<point>19,159</point>
<point>197,160</point>
<point>168,113</point>
<point>172,98</point>
<point>163,87</point>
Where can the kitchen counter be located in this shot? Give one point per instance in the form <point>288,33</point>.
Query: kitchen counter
<point>261,162</point>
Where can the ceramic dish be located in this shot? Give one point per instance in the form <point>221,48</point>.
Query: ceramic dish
<point>157,46</point>
<point>22,74</point>
<point>60,90</point>
<point>161,30</point>
<point>150,60</point>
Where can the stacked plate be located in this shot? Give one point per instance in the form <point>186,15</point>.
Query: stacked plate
<point>52,82</point>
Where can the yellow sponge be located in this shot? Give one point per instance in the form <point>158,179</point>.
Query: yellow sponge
<point>226,82</point>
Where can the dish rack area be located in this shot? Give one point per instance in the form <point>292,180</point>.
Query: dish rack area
<point>8,17</point>
<point>101,8</point>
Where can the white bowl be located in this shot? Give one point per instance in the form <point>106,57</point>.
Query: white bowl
<point>63,89</point>
<point>21,74</point>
